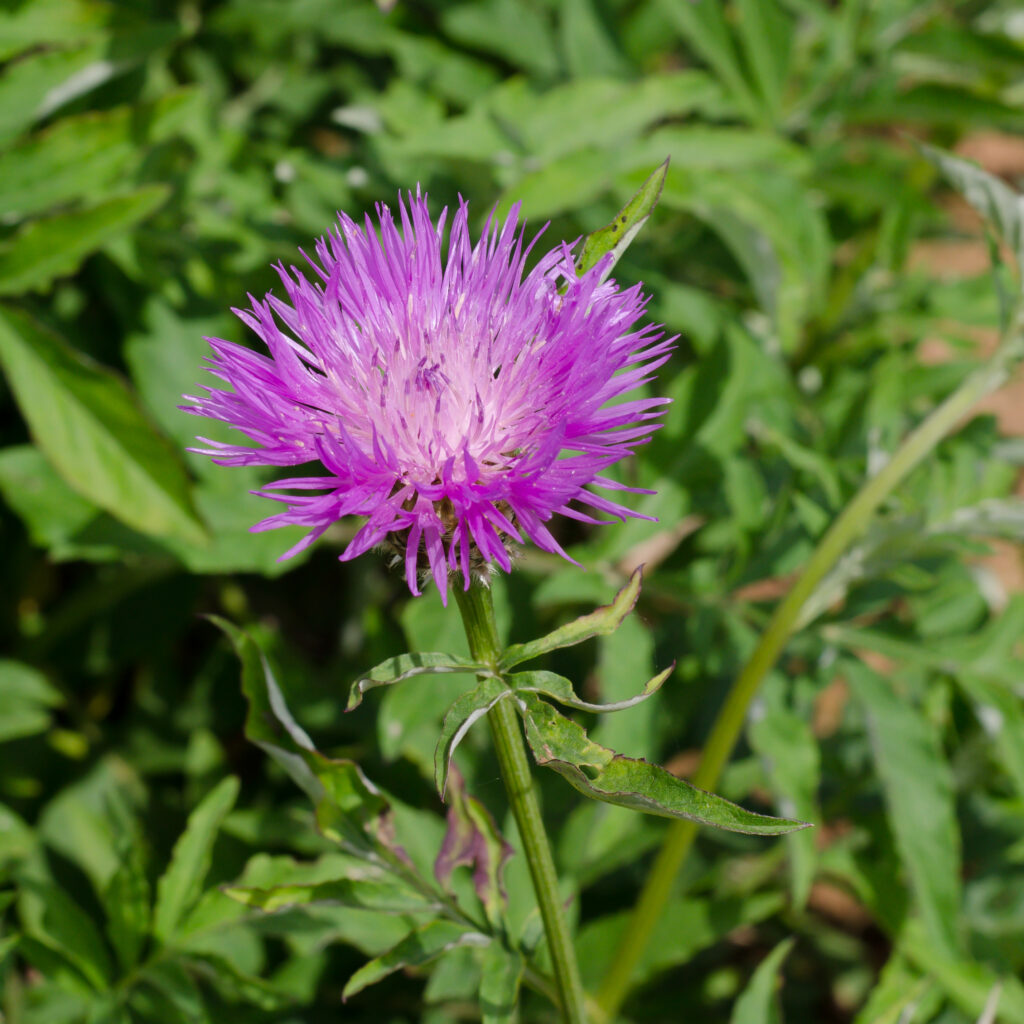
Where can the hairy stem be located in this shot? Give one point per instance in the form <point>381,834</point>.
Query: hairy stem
<point>478,618</point>
<point>787,618</point>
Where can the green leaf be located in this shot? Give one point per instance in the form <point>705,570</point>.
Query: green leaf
<point>235,985</point>
<point>967,983</point>
<point>350,810</point>
<point>182,883</point>
<point>54,246</point>
<point>378,894</point>
<point>560,689</point>
<point>179,998</point>
<point>87,423</point>
<point>54,919</point>
<point>918,788</point>
<point>600,622</point>
<point>616,237</point>
<point>404,666</point>
<point>766,35</point>
<point>999,204</point>
<point>787,747</point>
<point>126,900</point>
<point>466,709</point>
<point>419,947</point>
<point>758,1003</point>
<point>473,840</point>
<point>86,154</point>
<point>499,984</point>
<point>600,773</point>
<point>27,699</point>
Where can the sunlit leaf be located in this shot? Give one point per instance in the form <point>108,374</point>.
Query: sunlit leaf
<point>600,773</point>
<point>600,622</point>
<point>404,666</point>
<point>560,689</point>
<point>88,425</point>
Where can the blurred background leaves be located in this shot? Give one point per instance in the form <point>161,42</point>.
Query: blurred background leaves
<point>157,158</point>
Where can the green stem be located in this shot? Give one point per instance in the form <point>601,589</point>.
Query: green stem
<point>482,632</point>
<point>786,619</point>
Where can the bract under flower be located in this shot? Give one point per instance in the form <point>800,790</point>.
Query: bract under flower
<point>453,399</point>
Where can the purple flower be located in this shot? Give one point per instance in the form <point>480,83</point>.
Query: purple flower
<point>453,401</point>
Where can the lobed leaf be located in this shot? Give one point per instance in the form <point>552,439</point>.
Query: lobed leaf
<point>88,425</point>
<point>616,237</point>
<point>600,622</point>
<point>464,711</point>
<point>419,947</point>
<point>404,666</point>
<point>600,773</point>
<point>558,688</point>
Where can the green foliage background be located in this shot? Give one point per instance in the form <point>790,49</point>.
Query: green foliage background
<point>156,158</point>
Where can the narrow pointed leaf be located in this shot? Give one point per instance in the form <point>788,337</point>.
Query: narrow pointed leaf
<point>378,894</point>
<point>417,948</point>
<point>600,773</point>
<point>473,840</point>
<point>126,900</point>
<point>350,810</point>
<point>464,711</point>
<point>88,425</point>
<point>182,883</point>
<point>560,689</point>
<point>758,1004</point>
<point>999,204</point>
<point>403,666</point>
<point>919,792</point>
<point>499,984</point>
<point>600,622</point>
<point>616,237</point>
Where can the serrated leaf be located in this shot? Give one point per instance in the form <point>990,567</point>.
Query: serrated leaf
<point>404,666</point>
<point>758,1003</point>
<point>473,840</point>
<point>466,709</point>
<point>54,246</point>
<point>600,773</point>
<point>378,894</point>
<point>1000,205</point>
<point>182,882</point>
<point>600,622</point>
<point>616,237</point>
<point>560,689</point>
<point>87,424</point>
<point>499,984</point>
<point>919,794</point>
<point>419,947</point>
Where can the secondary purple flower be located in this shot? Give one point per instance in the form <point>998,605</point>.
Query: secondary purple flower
<point>451,398</point>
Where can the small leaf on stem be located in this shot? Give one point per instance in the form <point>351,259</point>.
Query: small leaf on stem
<point>560,689</point>
<point>559,743</point>
<point>464,711</point>
<point>404,666</point>
<point>600,622</point>
<point>615,238</point>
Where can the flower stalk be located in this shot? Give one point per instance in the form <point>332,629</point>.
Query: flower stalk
<point>477,610</point>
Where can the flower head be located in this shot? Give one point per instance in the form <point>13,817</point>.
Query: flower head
<point>453,399</point>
